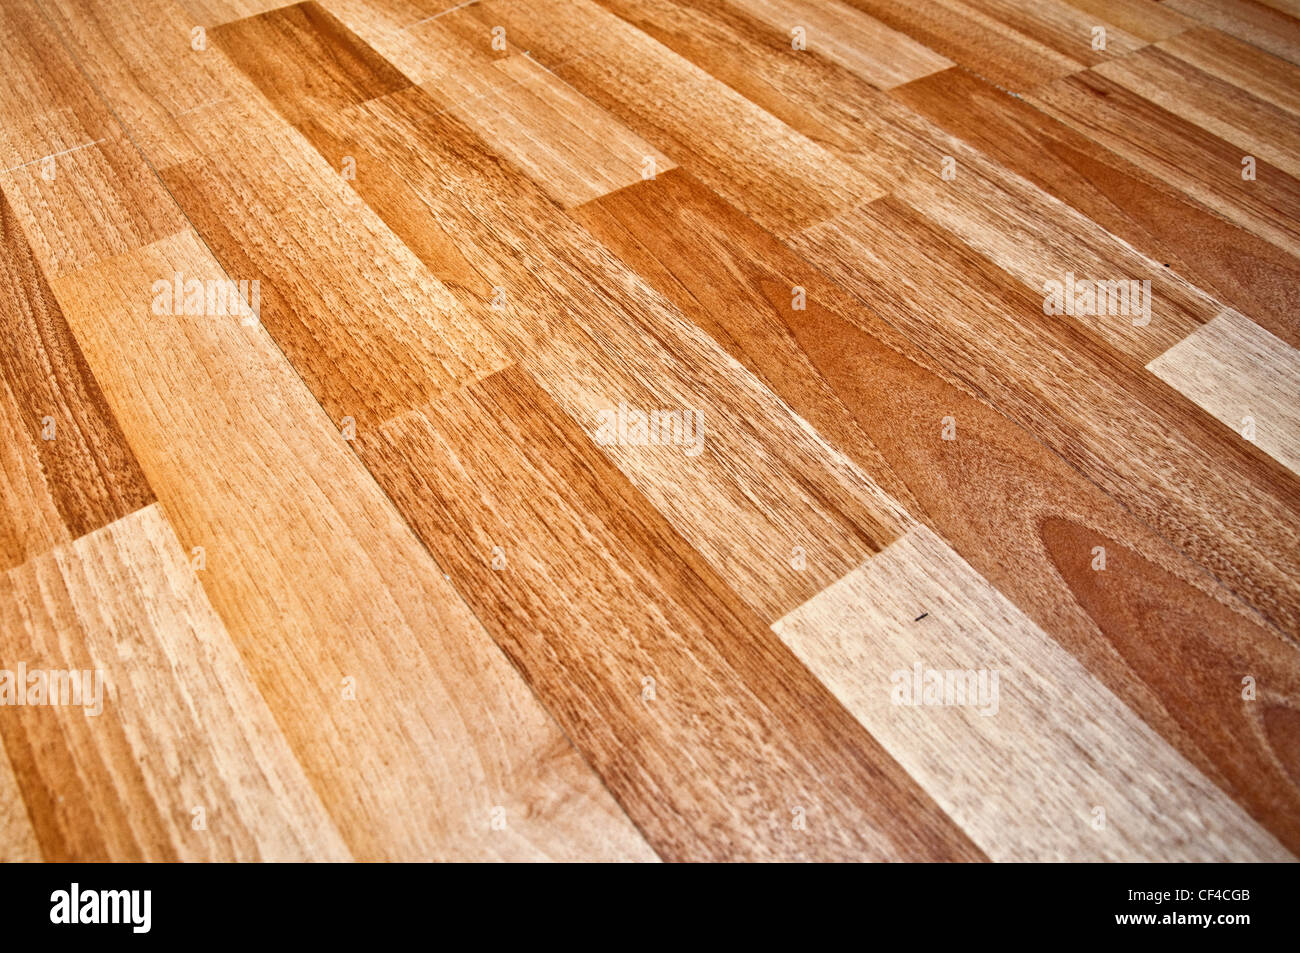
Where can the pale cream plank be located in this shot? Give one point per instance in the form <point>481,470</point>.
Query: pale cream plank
<point>1244,376</point>
<point>1025,769</point>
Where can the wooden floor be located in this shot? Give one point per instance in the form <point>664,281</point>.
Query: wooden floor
<point>650,429</point>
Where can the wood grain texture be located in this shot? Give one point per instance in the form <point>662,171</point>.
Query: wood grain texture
<point>780,177</point>
<point>1230,263</point>
<point>1060,383</point>
<point>1142,18</point>
<point>860,43</point>
<point>318,580</point>
<point>1257,126</point>
<point>1256,23</point>
<point>571,147</point>
<point>983,751</point>
<point>1176,151</point>
<point>714,738</point>
<point>1015,223</point>
<point>975,40</point>
<point>71,175</point>
<point>1017,513</point>
<point>66,467</point>
<point>1059,26</point>
<point>492,624</point>
<point>1246,67</point>
<point>18,842</point>
<point>176,725</point>
<point>1243,376</point>
<point>563,295</point>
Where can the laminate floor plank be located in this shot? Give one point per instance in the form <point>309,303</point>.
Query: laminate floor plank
<point>860,43</point>
<point>142,58</point>
<point>1258,127</point>
<point>1244,66</point>
<point>1243,376</point>
<point>408,720</point>
<point>1114,791</point>
<point>975,40</point>
<point>1232,264</point>
<point>171,753</point>
<point>1143,448</point>
<point>769,489</point>
<point>715,739</point>
<point>1012,509</point>
<point>568,145</point>
<point>18,842</point>
<point>48,108</point>
<point>1180,153</point>
<point>67,469</point>
<point>1256,23</point>
<point>1149,20</point>
<point>1059,26</point>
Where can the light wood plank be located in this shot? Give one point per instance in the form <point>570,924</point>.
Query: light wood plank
<point>1025,759</point>
<point>177,756</point>
<point>859,43</point>
<point>318,580</point>
<point>1243,376</point>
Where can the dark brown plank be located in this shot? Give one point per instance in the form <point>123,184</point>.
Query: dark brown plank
<point>320,65</point>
